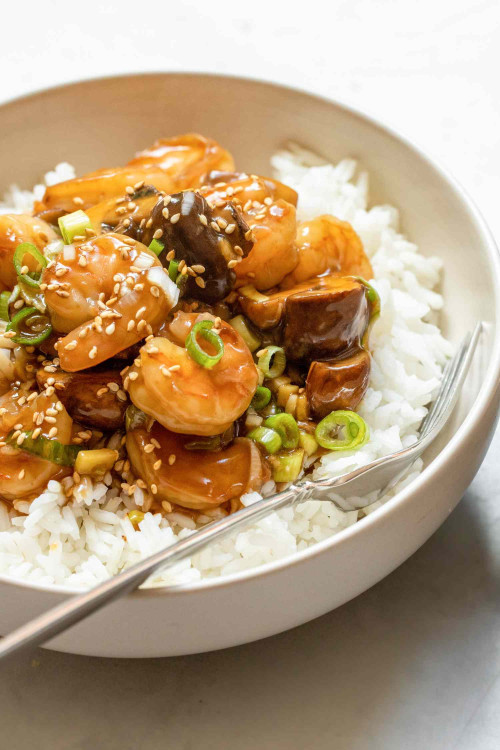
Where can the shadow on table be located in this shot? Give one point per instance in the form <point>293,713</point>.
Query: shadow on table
<point>385,670</point>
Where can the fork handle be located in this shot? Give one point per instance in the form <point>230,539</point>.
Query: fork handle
<point>63,616</point>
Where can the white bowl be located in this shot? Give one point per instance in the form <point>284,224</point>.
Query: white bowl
<point>102,122</point>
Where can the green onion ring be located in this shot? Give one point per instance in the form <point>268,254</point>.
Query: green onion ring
<point>356,431</point>
<point>4,306</point>
<point>287,467</point>
<point>286,427</point>
<point>29,339</point>
<point>156,246</point>
<point>272,362</point>
<point>194,349</point>
<point>73,225</point>
<point>50,450</point>
<point>269,439</point>
<point>173,271</point>
<point>261,398</point>
<point>26,248</point>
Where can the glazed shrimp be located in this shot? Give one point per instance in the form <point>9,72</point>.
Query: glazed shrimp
<point>271,219</point>
<point>197,479</point>
<point>15,229</point>
<point>22,474</point>
<point>171,164</point>
<point>108,296</point>
<point>327,244</point>
<point>186,158</point>
<point>190,398</point>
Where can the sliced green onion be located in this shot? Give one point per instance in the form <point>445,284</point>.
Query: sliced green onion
<point>50,450</point>
<point>262,397</point>
<point>272,362</point>
<point>354,426</point>
<point>308,442</point>
<point>135,418</point>
<point>173,271</point>
<point>74,225</point>
<point>4,306</point>
<point>195,351</point>
<point>210,442</point>
<point>157,248</point>
<point>286,468</point>
<point>286,427</point>
<point>269,439</point>
<point>240,325</point>
<point>26,248</point>
<point>38,325</point>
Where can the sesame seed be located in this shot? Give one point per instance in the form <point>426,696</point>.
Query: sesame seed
<point>140,312</point>
<point>233,263</point>
<point>17,305</point>
<point>20,440</point>
<point>93,352</point>
<point>78,201</point>
<point>181,265</point>
<point>36,432</point>
<point>200,282</point>
<point>148,223</point>
<point>155,291</point>
<point>113,387</point>
<point>82,261</point>
<point>25,269</point>
<point>149,448</point>
<point>50,420</point>
<point>52,432</point>
<point>62,271</point>
<point>171,459</point>
<point>133,376</point>
<point>203,219</point>
<point>129,190</point>
<point>230,228</point>
<point>165,371</point>
<point>131,205</point>
<point>158,233</point>
<point>215,226</point>
<point>70,346</point>
<point>121,395</point>
<point>154,489</point>
<point>84,332</point>
<point>165,213</point>
<point>166,200</point>
<point>62,293</point>
<point>141,325</point>
<point>153,350</point>
<point>130,325</point>
<point>175,218</point>
<point>174,368</point>
<point>157,464</point>
<point>21,474</point>
<point>121,210</point>
<point>110,329</point>
<point>248,235</point>
<point>101,392</point>
<point>138,185</point>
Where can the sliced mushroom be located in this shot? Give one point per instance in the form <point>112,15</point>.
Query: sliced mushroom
<point>322,323</point>
<point>201,237</point>
<point>92,397</point>
<point>338,384</point>
<point>124,214</point>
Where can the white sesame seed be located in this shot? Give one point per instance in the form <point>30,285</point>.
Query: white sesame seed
<point>93,352</point>
<point>175,218</point>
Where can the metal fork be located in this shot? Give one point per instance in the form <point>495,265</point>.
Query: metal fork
<point>382,473</point>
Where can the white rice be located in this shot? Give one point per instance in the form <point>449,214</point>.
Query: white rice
<point>80,544</point>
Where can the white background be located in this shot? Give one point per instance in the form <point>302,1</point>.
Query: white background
<point>414,663</point>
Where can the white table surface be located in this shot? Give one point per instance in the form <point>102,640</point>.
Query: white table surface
<point>414,663</point>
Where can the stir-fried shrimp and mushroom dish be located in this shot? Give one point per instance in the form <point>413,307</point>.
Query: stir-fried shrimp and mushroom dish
<point>169,324</point>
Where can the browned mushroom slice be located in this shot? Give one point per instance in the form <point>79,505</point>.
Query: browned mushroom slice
<point>339,384</point>
<point>210,242</point>
<point>322,323</point>
<point>93,397</point>
<point>124,214</point>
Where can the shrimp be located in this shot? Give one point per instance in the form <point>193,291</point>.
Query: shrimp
<point>22,474</point>
<point>327,244</point>
<point>108,296</point>
<point>184,396</point>
<point>171,164</point>
<point>272,222</point>
<point>15,229</point>
<point>198,479</point>
<point>187,158</point>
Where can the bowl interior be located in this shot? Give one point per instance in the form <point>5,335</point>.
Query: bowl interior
<point>103,122</point>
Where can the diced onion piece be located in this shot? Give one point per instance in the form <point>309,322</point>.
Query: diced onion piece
<point>74,225</point>
<point>96,463</point>
<point>69,252</point>
<point>354,426</point>
<point>53,249</point>
<point>158,277</point>
<point>287,468</point>
<point>240,325</point>
<point>269,439</point>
